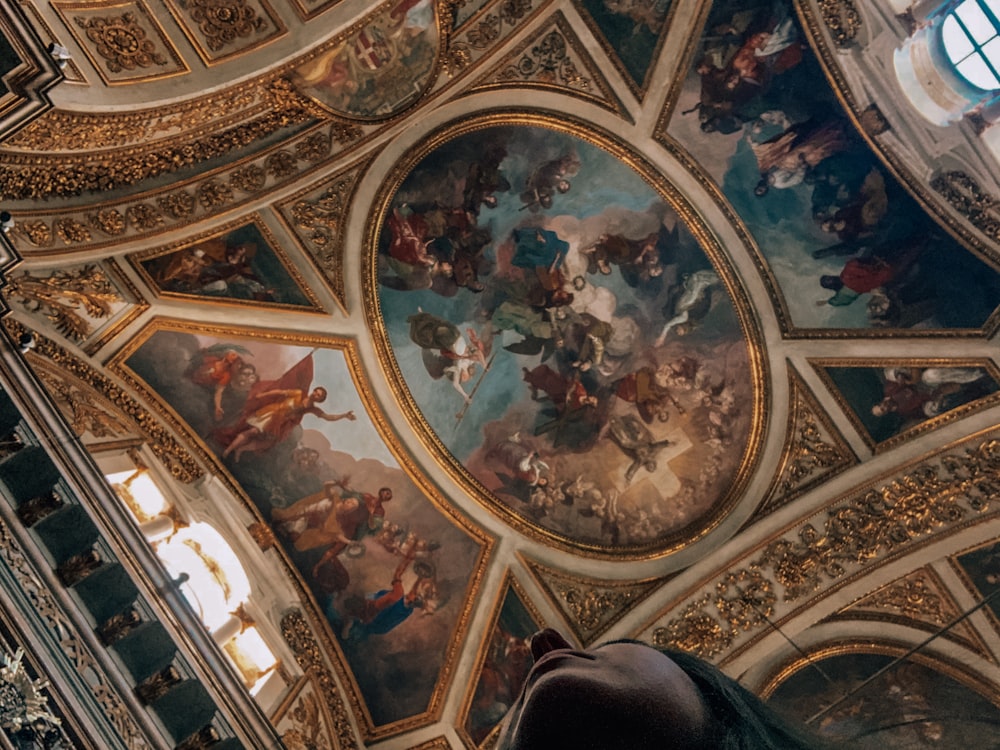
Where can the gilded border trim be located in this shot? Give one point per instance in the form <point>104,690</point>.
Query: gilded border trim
<point>880,647</point>
<point>257,221</point>
<point>348,348</point>
<point>700,231</point>
<point>819,365</point>
<point>510,583</point>
<point>63,9</point>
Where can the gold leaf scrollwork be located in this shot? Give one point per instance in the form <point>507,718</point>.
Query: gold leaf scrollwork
<point>81,409</point>
<point>842,19</point>
<point>592,607</point>
<point>69,299</point>
<point>109,221</point>
<point>122,42</point>
<point>249,179</point>
<point>142,216</point>
<point>968,198</point>
<point>549,62</point>
<point>321,221</point>
<point>178,205</point>
<point>512,11</point>
<point>745,599</point>
<point>912,597</point>
<point>181,464</point>
<point>935,495</point>
<point>695,631</point>
<point>881,520</point>
<point>809,455</point>
<point>295,630</point>
<point>21,178</point>
<point>224,21</point>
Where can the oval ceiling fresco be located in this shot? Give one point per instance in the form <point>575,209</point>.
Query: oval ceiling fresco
<point>576,354</point>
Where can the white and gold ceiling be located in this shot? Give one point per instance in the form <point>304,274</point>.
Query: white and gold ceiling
<point>761,428</point>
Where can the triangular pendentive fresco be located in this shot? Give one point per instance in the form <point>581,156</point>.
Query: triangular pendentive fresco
<point>919,599</point>
<point>889,402</point>
<point>391,571</point>
<point>243,265</point>
<point>503,662</point>
<point>981,568</point>
<point>554,58</point>
<point>632,30</point>
<point>613,416</point>
<point>814,449</point>
<point>590,606</point>
<point>913,704</point>
<point>846,244</point>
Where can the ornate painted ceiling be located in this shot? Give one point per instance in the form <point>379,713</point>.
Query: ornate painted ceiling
<point>648,318</point>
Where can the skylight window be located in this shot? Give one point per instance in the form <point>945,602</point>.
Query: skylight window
<point>971,37</point>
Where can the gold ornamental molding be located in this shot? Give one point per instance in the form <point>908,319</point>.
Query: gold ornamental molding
<point>810,560</point>
<point>29,177</point>
<point>317,217</point>
<point>918,600</point>
<point>75,649</point>
<point>223,29</point>
<point>478,35</point>
<point>174,457</point>
<point>309,656</point>
<point>123,41</point>
<point>842,20</point>
<point>303,719</point>
<point>88,414</point>
<point>553,59</point>
<point>38,234</point>
<point>814,449</point>
<point>88,304</point>
<point>66,131</point>
<point>966,196</point>
<point>590,606</point>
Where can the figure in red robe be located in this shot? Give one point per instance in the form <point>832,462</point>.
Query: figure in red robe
<point>273,409</point>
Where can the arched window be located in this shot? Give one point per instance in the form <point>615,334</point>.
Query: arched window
<point>971,38</point>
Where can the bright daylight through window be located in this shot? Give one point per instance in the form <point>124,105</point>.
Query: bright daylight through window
<point>971,36</point>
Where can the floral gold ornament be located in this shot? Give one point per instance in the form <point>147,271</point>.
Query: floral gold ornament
<point>933,497</point>
<point>70,299</point>
<point>23,705</point>
<point>842,19</point>
<point>122,42</point>
<point>222,29</point>
<point>967,197</point>
<point>181,465</point>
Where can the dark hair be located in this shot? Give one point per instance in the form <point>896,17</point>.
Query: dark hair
<point>741,720</point>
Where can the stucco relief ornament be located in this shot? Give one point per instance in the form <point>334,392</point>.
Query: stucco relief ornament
<point>23,707</point>
<point>222,21</point>
<point>122,42</point>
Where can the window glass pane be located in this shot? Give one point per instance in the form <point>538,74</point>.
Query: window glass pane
<point>976,22</point>
<point>976,72</point>
<point>994,6</point>
<point>992,52</point>
<point>956,43</point>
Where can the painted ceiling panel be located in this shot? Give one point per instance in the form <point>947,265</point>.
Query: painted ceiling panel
<point>641,319</point>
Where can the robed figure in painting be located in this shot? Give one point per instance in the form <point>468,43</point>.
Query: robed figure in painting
<point>273,409</point>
